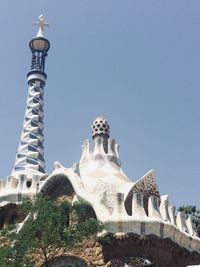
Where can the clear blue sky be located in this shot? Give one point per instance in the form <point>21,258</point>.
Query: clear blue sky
<point>135,62</point>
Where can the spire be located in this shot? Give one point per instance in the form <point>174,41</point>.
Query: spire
<point>30,155</point>
<point>39,46</point>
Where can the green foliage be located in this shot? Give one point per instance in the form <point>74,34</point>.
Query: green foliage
<point>51,227</point>
<point>5,255</point>
<point>195,213</point>
<point>9,253</point>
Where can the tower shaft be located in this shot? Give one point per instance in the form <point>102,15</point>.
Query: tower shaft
<point>30,155</point>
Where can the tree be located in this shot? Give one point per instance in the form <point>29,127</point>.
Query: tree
<point>5,247</point>
<point>195,213</point>
<point>8,253</point>
<point>51,227</point>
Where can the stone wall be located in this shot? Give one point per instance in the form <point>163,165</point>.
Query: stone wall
<point>161,252</point>
<point>67,261</point>
<point>113,251</point>
<point>89,253</point>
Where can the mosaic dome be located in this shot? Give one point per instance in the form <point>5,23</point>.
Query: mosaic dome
<point>100,128</point>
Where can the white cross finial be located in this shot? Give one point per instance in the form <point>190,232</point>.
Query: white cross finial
<point>41,23</point>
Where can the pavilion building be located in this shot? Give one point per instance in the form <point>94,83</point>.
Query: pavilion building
<point>141,228</point>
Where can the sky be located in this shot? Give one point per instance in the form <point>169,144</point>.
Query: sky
<point>135,62</point>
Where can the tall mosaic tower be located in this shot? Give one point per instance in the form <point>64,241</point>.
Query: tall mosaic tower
<point>30,155</point>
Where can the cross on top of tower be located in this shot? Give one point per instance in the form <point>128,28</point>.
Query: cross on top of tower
<point>41,23</point>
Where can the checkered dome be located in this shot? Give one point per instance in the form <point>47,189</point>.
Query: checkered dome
<point>100,128</point>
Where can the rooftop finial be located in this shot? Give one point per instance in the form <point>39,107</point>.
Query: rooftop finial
<point>41,23</point>
<point>100,127</point>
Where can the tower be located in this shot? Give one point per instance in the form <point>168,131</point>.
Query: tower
<point>30,155</point>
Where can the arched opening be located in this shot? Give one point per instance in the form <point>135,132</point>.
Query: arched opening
<point>57,186</point>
